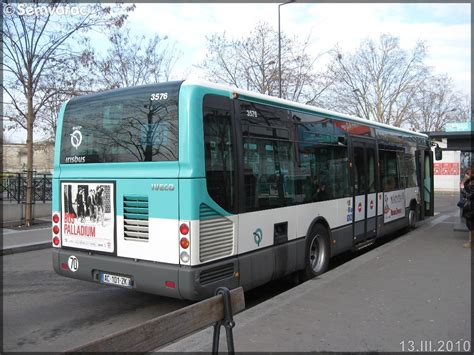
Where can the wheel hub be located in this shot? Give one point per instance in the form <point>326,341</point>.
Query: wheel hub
<point>317,253</point>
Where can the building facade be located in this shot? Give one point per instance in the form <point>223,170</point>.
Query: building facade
<point>14,157</point>
<point>458,155</point>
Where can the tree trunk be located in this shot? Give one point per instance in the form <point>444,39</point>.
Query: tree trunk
<point>29,161</point>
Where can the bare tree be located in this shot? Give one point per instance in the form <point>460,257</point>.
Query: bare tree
<point>34,34</point>
<point>252,63</point>
<point>464,108</point>
<point>379,81</point>
<point>130,61</point>
<point>435,104</point>
<point>134,60</point>
<point>70,78</point>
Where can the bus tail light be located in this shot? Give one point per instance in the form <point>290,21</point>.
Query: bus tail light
<point>56,230</point>
<point>184,242</point>
<point>184,229</point>
<point>184,256</point>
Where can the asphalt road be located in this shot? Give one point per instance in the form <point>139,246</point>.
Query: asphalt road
<point>45,312</point>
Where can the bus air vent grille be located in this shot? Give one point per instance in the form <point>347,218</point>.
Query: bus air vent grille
<point>216,234</point>
<point>135,218</point>
<point>216,274</point>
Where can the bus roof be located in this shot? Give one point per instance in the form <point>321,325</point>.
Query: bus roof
<point>276,100</point>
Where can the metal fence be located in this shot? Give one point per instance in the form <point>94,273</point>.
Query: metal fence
<point>13,188</point>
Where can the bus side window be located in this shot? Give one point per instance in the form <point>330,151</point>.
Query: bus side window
<point>268,173</point>
<point>218,151</point>
<point>389,170</point>
<point>268,156</point>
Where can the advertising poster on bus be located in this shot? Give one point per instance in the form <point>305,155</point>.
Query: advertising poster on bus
<point>393,206</point>
<point>88,216</point>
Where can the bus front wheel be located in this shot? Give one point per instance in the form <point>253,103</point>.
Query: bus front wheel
<point>317,252</point>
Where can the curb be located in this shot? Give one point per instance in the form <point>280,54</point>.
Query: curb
<point>24,248</point>
<point>19,225</point>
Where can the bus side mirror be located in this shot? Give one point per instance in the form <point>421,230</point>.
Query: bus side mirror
<point>438,153</point>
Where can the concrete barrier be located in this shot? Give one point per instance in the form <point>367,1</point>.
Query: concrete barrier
<point>14,213</point>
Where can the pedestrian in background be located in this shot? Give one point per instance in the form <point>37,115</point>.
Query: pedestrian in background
<point>467,175</point>
<point>467,203</point>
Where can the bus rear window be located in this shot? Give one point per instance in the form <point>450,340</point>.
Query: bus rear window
<point>126,125</point>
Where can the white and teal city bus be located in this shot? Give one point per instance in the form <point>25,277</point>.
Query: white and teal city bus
<point>178,188</point>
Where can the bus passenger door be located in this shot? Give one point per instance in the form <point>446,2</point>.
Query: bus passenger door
<point>426,183</point>
<point>364,175</point>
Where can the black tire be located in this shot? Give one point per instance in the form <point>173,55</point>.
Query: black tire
<point>317,252</point>
<point>412,217</point>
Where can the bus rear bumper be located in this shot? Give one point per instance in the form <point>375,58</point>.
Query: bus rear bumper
<point>191,283</point>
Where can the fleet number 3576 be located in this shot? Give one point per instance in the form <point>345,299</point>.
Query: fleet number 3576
<point>157,96</point>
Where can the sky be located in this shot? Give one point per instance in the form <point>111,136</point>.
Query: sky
<point>446,28</point>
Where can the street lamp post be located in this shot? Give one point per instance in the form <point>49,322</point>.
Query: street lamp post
<point>279,46</point>
<point>357,93</point>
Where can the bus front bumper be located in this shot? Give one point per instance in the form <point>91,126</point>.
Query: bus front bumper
<point>191,283</point>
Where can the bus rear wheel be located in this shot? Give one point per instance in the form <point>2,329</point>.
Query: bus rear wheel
<point>317,253</point>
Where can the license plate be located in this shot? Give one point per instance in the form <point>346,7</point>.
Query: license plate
<point>116,280</point>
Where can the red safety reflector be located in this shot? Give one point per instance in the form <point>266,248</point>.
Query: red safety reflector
<point>56,241</point>
<point>55,229</point>
<point>184,242</point>
<point>64,266</point>
<point>55,218</point>
<point>170,284</point>
<point>184,229</point>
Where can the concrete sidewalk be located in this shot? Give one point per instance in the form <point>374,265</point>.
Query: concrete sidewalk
<point>413,291</point>
<point>22,239</point>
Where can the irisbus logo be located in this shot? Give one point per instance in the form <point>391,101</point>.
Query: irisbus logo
<point>162,187</point>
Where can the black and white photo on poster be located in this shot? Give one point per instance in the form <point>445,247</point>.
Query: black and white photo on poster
<point>88,215</point>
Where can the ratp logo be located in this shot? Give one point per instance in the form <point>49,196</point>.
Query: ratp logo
<point>76,138</point>
<point>258,236</point>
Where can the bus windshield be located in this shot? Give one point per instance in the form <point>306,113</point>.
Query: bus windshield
<point>127,125</point>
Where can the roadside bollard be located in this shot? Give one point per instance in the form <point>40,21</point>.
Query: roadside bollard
<point>227,322</point>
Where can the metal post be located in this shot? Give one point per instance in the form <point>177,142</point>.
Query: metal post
<point>227,322</point>
<point>279,46</point>
<point>44,188</point>
<point>357,92</point>
<point>19,188</point>
<point>279,54</point>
